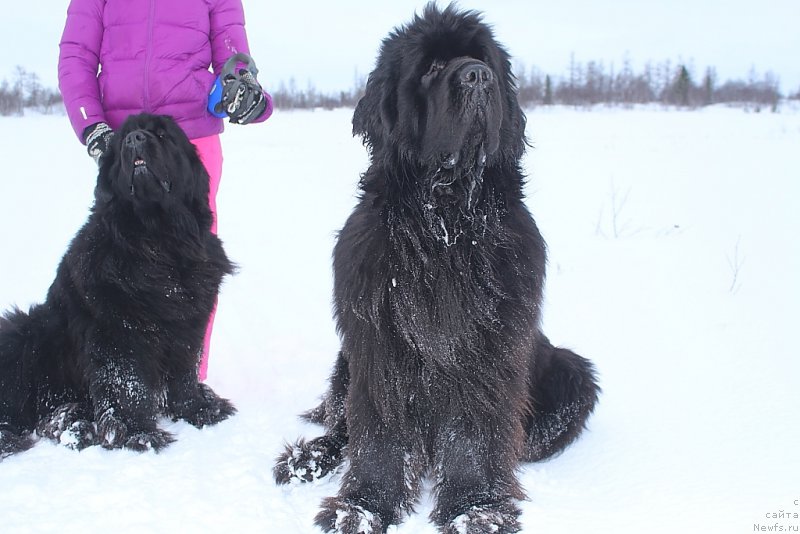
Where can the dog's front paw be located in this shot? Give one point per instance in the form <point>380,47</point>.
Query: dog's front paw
<point>153,440</point>
<point>68,425</point>
<point>341,517</point>
<point>307,461</point>
<point>206,408</point>
<point>113,433</point>
<point>502,518</point>
<point>79,435</point>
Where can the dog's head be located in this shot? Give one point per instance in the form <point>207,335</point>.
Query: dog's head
<point>150,165</point>
<point>442,95</point>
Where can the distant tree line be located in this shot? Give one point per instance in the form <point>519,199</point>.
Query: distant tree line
<point>288,96</point>
<point>583,85</point>
<point>25,91</point>
<point>667,84</point>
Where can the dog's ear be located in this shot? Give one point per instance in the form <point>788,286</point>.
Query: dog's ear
<point>102,193</point>
<point>376,111</point>
<point>366,118</point>
<point>514,122</point>
<point>108,165</point>
<point>512,132</point>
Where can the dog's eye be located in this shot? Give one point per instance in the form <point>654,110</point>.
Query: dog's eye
<point>433,71</point>
<point>436,66</point>
<point>161,134</point>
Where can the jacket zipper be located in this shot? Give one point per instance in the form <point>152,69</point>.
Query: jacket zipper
<point>148,57</point>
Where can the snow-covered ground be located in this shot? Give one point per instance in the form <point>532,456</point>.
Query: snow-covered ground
<point>674,261</point>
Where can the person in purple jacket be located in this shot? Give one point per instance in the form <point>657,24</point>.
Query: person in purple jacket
<point>122,57</point>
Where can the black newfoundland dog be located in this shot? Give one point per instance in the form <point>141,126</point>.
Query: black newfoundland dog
<point>117,341</point>
<point>438,278</point>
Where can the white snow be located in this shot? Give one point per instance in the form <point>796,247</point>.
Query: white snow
<point>674,261</point>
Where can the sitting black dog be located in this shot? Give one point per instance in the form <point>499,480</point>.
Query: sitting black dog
<point>438,277</point>
<point>117,341</point>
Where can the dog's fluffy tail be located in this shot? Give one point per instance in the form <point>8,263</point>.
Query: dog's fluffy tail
<point>564,391</point>
<point>19,355</point>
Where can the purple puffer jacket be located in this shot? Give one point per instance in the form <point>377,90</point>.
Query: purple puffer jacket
<point>154,57</point>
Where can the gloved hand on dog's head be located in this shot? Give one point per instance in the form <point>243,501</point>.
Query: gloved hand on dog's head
<point>97,138</point>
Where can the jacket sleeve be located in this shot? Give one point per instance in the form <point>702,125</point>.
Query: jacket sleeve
<point>228,37</point>
<point>78,61</point>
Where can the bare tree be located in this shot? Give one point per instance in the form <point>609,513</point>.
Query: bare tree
<point>548,91</point>
<point>735,263</point>
<point>619,227</point>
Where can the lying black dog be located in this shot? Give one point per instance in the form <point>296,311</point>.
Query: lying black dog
<point>438,279</point>
<point>117,341</point>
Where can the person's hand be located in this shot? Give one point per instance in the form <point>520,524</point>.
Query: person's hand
<point>243,98</point>
<point>98,138</point>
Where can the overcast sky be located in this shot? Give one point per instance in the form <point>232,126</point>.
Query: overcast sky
<point>328,43</point>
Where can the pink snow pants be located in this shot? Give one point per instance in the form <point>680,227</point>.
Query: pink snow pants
<point>210,151</point>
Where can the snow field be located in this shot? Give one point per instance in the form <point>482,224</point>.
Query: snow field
<point>673,266</point>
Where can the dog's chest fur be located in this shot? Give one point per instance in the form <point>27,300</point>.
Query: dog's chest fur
<point>443,293</point>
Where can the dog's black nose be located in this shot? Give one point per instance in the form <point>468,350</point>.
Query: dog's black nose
<point>475,74</point>
<point>135,139</point>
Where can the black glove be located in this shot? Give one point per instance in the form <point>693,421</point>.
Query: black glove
<point>98,138</point>
<point>243,98</point>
